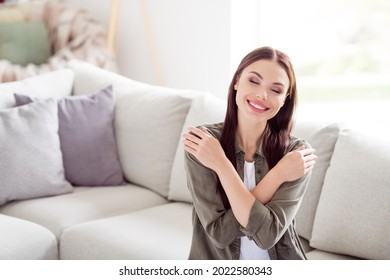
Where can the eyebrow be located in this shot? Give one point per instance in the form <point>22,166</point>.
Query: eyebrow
<point>261,77</point>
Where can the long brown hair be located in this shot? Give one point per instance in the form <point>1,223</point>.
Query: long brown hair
<point>277,132</point>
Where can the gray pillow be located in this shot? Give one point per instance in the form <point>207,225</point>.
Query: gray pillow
<point>30,156</point>
<point>87,138</point>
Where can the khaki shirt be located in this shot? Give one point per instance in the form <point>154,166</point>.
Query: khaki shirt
<point>216,232</point>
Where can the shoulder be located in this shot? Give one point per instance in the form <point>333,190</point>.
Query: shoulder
<point>296,142</point>
<point>191,161</point>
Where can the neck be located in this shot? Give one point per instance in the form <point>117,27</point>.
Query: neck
<point>249,135</point>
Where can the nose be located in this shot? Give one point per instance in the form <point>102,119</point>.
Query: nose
<point>262,95</point>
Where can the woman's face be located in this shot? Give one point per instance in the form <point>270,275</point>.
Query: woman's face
<point>261,91</point>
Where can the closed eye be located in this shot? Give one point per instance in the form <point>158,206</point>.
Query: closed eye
<point>254,82</point>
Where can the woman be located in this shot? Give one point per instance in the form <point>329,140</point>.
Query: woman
<point>247,176</point>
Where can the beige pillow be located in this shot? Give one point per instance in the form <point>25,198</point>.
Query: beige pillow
<point>324,141</point>
<point>353,214</point>
<point>205,109</point>
<point>148,122</point>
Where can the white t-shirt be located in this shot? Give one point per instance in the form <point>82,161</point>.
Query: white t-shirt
<point>249,249</point>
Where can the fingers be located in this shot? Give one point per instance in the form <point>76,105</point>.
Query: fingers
<point>308,157</point>
<point>198,132</point>
<point>205,130</point>
<point>311,157</point>
<point>306,152</point>
<point>309,164</point>
<point>310,161</point>
<point>191,143</point>
<point>301,148</point>
<point>193,139</point>
<point>195,135</point>
<point>190,149</point>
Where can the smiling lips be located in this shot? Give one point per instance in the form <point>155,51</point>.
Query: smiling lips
<point>257,106</point>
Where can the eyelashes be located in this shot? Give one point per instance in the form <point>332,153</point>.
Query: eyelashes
<point>255,82</point>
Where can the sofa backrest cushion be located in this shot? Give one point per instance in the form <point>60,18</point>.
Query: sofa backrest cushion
<point>88,145</point>
<point>56,84</point>
<point>90,78</point>
<point>205,109</point>
<point>148,123</point>
<point>324,141</point>
<point>31,160</point>
<point>352,217</point>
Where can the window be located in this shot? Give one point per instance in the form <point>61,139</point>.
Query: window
<point>340,51</point>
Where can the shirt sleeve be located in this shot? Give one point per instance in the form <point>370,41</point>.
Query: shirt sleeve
<point>218,222</point>
<point>267,223</point>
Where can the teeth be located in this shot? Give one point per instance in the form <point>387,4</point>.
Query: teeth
<point>257,106</point>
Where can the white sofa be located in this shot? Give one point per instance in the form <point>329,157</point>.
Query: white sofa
<point>344,215</point>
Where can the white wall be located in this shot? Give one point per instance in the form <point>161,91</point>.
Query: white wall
<point>244,30</point>
<point>192,40</point>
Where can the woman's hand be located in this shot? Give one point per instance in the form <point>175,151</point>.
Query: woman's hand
<point>295,164</point>
<point>205,147</point>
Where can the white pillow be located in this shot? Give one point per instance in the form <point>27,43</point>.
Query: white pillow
<point>56,84</point>
<point>30,156</point>
<point>205,109</point>
<point>353,214</point>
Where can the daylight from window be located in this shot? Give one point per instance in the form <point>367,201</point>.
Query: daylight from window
<point>340,50</point>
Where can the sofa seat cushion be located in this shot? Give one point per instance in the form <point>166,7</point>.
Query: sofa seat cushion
<point>162,232</point>
<point>84,204</point>
<point>323,255</point>
<point>23,240</point>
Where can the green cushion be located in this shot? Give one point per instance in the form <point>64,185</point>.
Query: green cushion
<point>24,42</point>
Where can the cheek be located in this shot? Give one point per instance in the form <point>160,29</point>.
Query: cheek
<point>281,99</point>
<point>239,98</point>
<point>278,102</point>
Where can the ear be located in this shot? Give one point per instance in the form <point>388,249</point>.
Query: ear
<point>236,85</point>
<point>236,79</point>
